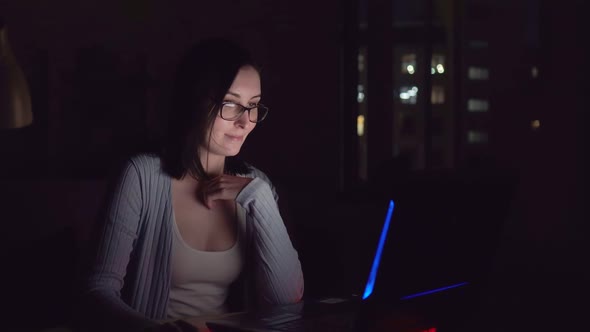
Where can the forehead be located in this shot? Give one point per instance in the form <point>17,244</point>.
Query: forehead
<point>246,82</point>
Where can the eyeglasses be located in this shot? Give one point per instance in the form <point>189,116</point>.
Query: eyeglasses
<point>233,111</point>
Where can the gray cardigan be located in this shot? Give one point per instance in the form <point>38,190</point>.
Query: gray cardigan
<point>129,282</point>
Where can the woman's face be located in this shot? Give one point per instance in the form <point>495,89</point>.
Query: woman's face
<point>227,137</point>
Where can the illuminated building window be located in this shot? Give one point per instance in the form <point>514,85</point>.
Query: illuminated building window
<point>408,94</point>
<point>437,64</point>
<point>477,136</point>
<point>361,62</point>
<point>477,105</point>
<point>409,64</point>
<point>361,88</point>
<point>360,125</point>
<point>360,95</point>
<point>478,73</point>
<point>437,95</point>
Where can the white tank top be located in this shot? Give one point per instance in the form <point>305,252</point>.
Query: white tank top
<point>201,279</point>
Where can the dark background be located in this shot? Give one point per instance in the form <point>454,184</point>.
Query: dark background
<point>99,74</point>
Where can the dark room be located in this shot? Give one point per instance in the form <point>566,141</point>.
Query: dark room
<point>416,166</point>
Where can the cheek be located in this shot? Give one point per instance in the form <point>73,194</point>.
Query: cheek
<point>218,128</point>
<point>251,128</point>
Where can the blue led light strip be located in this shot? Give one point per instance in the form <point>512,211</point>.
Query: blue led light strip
<point>433,291</point>
<point>371,282</point>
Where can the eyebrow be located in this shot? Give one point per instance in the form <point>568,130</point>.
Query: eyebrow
<point>238,95</point>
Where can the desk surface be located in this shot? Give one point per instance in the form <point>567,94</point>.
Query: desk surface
<point>410,316</point>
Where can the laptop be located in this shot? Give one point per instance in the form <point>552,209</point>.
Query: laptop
<point>359,312</point>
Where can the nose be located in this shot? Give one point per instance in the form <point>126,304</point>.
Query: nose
<point>243,121</point>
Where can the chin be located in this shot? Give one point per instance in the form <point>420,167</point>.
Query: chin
<point>232,152</point>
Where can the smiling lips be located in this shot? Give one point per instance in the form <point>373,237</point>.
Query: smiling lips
<point>235,138</point>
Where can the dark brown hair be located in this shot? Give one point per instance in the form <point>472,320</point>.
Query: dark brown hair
<point>203,77</point>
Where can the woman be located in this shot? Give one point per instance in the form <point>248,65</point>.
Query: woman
<point>191,227</point>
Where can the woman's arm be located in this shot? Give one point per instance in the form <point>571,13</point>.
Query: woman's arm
<point>278,274</point>
<point>103,308</point>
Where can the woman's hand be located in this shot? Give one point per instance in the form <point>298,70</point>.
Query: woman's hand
<point>223,187</point>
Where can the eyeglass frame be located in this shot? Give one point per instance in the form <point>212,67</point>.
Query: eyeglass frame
<point>244,109</point>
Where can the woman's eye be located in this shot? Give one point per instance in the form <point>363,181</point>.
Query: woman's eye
<point>253,105</point>
<point>229,104</point>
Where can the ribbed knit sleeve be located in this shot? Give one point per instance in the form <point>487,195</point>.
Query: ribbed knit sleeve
<point>277,271</point>
<point>128,283</point>
<point>103,307</point>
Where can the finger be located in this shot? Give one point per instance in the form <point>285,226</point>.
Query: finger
<point>209,195</point>
<point>206,188</point>
<point>212,197</point>
<point>214,180</point>
<point>201,194</point>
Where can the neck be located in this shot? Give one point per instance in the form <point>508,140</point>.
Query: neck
<point>212,163</point>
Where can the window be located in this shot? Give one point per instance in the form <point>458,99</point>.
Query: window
<point>478,73</point>
<point>360,125</point>
<point>360,95</point>
<point>437,94</point>
<point>361,88</point>
<point>477,105</point>
<point>477,136</point>
<point>408,94</point>
<point>362,112</point>
<point>437,64</point>
<point>361,65</point>
<point>408,64</point>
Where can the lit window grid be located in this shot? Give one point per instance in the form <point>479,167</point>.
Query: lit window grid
<point>361,120</point>
<point>409,95</point>
<point>409,64</point>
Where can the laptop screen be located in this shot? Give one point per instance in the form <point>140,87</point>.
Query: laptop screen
<point>414,263</point>
<point>377,258</point>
